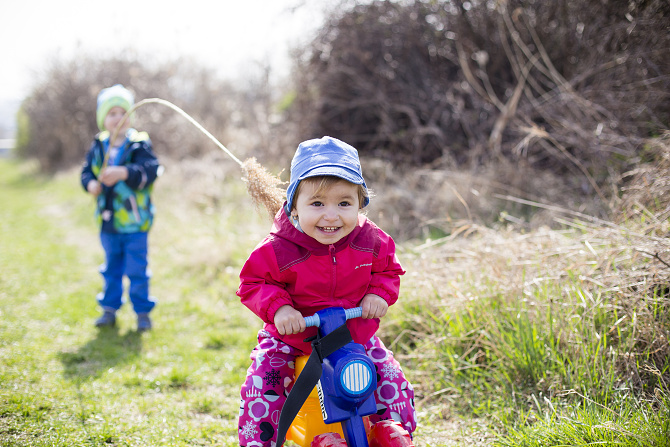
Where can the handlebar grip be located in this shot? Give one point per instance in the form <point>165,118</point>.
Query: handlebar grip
<point>353,313</point>
<point>315,321</point>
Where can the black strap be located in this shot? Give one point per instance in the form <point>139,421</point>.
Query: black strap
<point>310,375</point>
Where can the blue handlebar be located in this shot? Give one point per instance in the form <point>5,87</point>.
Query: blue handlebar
<point>353,313</point>
<point>315,321</point>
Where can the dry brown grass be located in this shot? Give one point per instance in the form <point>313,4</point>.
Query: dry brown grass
<point>263,187</point>
<point>648,190</point>
<point>626,260</point>
<point>422,203</point>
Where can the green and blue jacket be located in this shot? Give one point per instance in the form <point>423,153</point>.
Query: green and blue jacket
<point>125,207</point>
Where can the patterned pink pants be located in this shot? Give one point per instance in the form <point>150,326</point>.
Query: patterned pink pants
<point>271,375</point>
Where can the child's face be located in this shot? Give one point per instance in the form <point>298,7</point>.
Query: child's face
<point>330,214</point>
<point>112,120</point>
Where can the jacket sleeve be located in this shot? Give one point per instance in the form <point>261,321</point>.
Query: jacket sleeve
<point>143,165</point>
<point>386,271</point>
<point>87,169</point>
<point>260,288</point>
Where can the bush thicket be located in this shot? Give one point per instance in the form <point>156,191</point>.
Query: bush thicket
<point>57,121</point>
<point>565,86</point>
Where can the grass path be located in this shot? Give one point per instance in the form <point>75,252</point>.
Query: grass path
<point>64,383</point>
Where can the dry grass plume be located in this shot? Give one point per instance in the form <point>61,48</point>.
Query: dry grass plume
<point>263,187</point>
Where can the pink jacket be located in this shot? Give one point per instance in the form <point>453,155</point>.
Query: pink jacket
<point>289,267</point>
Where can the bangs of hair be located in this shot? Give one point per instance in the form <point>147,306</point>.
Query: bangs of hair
<point>323,182</point>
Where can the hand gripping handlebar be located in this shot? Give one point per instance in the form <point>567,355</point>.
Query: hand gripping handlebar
<point>315,321</point>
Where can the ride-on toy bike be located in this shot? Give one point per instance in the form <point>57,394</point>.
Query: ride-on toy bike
<point>345,380</point>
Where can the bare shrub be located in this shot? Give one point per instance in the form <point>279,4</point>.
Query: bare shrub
<point>58,121</point>
<point>564,87</point>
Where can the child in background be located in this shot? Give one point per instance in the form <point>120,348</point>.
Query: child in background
<point>321,252</point>
<point>122,186</point>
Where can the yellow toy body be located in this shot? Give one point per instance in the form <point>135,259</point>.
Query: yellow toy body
<point>308,423</point>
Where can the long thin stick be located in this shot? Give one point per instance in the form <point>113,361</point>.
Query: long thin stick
<point>262,186</point>
<point>176,109</point>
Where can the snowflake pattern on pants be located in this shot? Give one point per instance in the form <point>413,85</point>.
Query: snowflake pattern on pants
<point>249,430</point>
<point>272,377</point>
<point>390,371</point>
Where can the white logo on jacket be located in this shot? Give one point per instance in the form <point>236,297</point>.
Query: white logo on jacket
<point>363,265</point>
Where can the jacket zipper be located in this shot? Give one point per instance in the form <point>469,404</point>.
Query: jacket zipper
<point>331,251</point>
<point>133,205</point>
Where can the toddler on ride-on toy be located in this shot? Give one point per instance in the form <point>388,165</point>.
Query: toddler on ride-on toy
<point>320,253</point>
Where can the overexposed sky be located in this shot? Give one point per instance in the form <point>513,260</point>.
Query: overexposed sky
<point>222,34</point>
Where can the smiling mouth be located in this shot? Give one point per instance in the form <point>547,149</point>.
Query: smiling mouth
<point>329,229</point>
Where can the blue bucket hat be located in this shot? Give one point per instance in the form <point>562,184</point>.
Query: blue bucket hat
<point>324,156</point>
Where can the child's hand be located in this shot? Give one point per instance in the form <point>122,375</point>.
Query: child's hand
<point>374,306</point>
<point>111,175</point>
<point>289,321</point>
<point>94,187</point>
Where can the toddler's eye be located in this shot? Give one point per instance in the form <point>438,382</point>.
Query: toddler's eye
<point>345,203</point>
<point>317,203</point>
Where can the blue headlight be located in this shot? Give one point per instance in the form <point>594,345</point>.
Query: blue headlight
<point>356,377</point>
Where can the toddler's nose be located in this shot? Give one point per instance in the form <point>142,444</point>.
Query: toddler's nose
<point>330,213</point>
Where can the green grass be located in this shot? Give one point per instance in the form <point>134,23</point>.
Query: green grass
<point>64,383</point>
<point>594,425</point>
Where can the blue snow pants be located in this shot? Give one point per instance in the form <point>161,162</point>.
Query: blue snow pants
<point>126,255</point>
